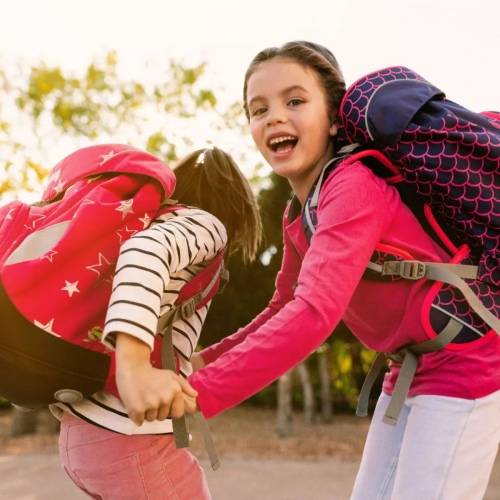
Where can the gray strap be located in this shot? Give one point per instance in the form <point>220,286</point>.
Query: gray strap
<point>179,424</point>
<point>409,366</point>
<point>452,274</point>
<point>207,437</point>
<point>168,361</point>
<point>439,273</point>
<point>364,396</point>
<point>313,201</point>
<point>405,377</point>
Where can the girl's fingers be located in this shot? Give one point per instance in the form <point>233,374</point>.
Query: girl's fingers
<point>151,415</point>
<point>137,417</point>
<point>177,408</point>
<point>163,411</point>
<point>187,388</point>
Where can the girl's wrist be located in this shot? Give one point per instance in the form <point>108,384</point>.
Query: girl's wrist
<point>130,349</point>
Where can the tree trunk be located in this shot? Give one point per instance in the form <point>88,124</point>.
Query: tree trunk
<point>24,422</point>
<point>284,405</point>
<point>32,421</point>
<point>326,385</point>
<point>307,389</point>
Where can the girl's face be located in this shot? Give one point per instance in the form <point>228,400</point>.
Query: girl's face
<point>289,120</point>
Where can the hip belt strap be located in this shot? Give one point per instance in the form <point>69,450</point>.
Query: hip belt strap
<point>408,357</point>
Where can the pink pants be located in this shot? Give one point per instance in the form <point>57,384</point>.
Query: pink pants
<point>107,465</point>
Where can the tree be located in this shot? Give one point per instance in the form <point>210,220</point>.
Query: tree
<point>45,109</point>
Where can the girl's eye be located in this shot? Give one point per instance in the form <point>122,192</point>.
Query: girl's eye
<point>258,111</point>
<point>295,101</point>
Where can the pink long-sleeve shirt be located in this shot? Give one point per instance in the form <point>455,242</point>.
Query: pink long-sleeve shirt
<point>320,284</point>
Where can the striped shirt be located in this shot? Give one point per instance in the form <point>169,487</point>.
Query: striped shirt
<point>152,267</point>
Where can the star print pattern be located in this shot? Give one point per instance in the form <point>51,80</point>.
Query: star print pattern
<point>146,220</point>
<point>48,327</point>
<point>34,221</point>
<point>71,288</point>
<point>125,233</point>
<point>50,255</point>
<point>106,157</point>
<point>65,288</point>
<point>125,207</point>
<point>97,268</point>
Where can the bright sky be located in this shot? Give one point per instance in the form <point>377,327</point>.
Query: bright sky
<point>453,43</point>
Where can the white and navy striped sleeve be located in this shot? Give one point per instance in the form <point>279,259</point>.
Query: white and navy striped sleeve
<point>148,261</point>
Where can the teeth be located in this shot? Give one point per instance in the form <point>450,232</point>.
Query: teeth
<point>278,140</point>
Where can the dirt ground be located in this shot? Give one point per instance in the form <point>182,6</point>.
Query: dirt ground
<point>317,462</point>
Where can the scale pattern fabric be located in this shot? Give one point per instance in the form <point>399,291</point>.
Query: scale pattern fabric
<point>451,154</point>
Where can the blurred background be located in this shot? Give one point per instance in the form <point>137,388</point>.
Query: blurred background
<point>167,76</point>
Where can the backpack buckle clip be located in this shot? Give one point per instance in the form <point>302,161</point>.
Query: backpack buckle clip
<point>408,269</point>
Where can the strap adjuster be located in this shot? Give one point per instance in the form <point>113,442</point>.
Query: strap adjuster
<point>188,308</point>
<point>408,269</point>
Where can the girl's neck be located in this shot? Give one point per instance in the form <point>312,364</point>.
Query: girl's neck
<point>302,186</point>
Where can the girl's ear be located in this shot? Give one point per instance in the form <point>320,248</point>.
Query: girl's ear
<point>334,129</point>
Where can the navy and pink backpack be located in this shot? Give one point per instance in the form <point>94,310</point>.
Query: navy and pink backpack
<point>445,162</point>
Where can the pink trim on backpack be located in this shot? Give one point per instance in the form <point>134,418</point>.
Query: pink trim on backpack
<point>394,179</point>
<point>462,253</point>
<point>383,247</point>
<point>437,229</point>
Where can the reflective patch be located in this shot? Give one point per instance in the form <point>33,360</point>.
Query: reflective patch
<point>38,243</point>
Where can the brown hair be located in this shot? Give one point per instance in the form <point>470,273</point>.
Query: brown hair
<point>210,179</point>
<point>310,55</point>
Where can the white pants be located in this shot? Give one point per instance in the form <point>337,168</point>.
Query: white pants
<point>441,449</point>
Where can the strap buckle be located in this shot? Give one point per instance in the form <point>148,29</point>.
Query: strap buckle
<point>408,269</point>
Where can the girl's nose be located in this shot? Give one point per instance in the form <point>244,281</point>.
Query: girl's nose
<point>276,115</point>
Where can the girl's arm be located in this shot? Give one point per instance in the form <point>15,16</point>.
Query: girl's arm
<point>145,264</point>
<point>286,280</point>
<point>355,209</point>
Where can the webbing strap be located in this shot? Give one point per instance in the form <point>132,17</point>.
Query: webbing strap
<point>371,377</point>
<point>168,361</point>
<point>165,324</point>
<point>409,367</point>
<point>312,203</point>
<point>409,358</point>
<point>207,438</point>
<point>179,424</point>
<point>452,274</point>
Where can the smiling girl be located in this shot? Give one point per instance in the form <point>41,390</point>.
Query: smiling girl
<point>442,441</point>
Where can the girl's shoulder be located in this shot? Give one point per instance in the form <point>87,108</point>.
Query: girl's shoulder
<point>194,217</point>
<point>356,181</point>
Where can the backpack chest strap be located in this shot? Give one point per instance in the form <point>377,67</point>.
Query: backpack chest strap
<point>453,274</point>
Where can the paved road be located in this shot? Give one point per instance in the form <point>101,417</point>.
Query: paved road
<point>39,477</point>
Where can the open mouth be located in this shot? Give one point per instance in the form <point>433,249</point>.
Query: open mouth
<point>282,144</point>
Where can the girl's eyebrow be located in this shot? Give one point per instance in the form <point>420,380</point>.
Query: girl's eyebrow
<point>292,88</point>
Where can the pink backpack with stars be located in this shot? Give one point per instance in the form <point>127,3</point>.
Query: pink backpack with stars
<point>57,260</point>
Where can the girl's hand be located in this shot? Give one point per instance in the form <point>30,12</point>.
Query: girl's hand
<point>197,361</point>
<point>189,397</point>
<point>147,393</point>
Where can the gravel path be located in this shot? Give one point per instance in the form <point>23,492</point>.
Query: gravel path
<point>39,477</point>
<point>316,462</point>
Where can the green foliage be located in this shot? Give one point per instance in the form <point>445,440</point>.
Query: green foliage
<point>49,105</point>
